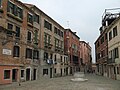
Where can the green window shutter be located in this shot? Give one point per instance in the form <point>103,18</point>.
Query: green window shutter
<point>8,5</point>
<point>0,3</point>
<point>35,36</point>
<point>15,10</point>
<point>21,14</point>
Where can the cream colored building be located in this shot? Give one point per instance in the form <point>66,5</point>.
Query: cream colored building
<point>52,63</point>
<point>114,49</point>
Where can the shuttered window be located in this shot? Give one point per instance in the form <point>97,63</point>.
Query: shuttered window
<point>28,53</point>
<point>16,51</point>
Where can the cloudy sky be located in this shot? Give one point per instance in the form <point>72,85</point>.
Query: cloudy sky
<point>82,16</point>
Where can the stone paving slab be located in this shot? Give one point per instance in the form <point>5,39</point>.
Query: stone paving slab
<point>64,83</point>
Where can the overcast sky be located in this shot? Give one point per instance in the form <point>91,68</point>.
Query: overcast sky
<point>82,16</point>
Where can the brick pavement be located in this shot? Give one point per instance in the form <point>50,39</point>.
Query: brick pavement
<point>64,83</point>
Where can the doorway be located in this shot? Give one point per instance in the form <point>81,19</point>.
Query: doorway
<point>27,74</point>
<point>14,75</point>
<point>61,72</point>
<point>70,70</point>
<point>34,74</point>
<point>67,71</point>
<point>50,72</point>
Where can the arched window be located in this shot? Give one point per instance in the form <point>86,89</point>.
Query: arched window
<point>16,51</point>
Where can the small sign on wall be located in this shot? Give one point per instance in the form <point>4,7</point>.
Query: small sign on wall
<point>6,51</point>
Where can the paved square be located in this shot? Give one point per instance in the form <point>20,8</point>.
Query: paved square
<point>64,83</point>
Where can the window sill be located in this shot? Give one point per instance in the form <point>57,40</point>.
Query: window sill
<point>29,59</point>
<point>7,79</point>
<point>16,57</point>
<point>30,24</point>
<point>14,17</point>
<point>22,78</point>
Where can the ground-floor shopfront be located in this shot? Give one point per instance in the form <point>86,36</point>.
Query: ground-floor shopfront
<point>12,73</point>
<point>9,74</point>
<point>114,71</point>
<point>109,70</point>
<point>102,69</point>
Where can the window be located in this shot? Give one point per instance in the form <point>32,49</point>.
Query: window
<point>22,73</point>
<point>105,36</point>
<point>115,31</point>
<point>35,54</point>
<point>17,32</point>
<point>15,10</point>
<point>110,35</point>
<point>29,36</point>
<point>57,43</point>
<point>116,53</point>
<point>0,3</point>
<point>64,59</point>
<point>110,54</point>
<point>58,32</point>
<point>103,53</point>
<point>98,44</point>
<point>36,18</point>
<point>118,72</point>
<point>45,55</point>
<point>61,34</point>
<point>30,18</point>
<point>11,8</point>
<point>19,12</point>
<point>10,28</point>
<point>51,56</point>
<point>61,58</point>
<point>114,70</point>
<point>102,40</point>
<point>55,58</point>
<point>6,74</point>
<point>47,39</point>
<point>64,70</point>
<point>45,71</point>
<point>47,25</point>
<point>62,44</point>
<point>55,70</point>
<point>28,53</point>
<point>36,37</point>
<point>55,30</point>
<point>16,51</point>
